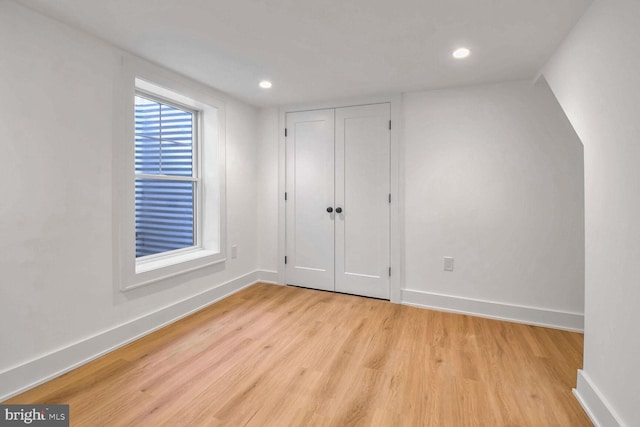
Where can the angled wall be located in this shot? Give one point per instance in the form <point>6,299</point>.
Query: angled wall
<point>595,74</point>
<point>493,177</point>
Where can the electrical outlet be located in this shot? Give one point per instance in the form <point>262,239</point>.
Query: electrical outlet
<point>234,251</point>
<point>448,263</point>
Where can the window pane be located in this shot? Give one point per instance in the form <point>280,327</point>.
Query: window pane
<point>147,155</point>
<point>147,136</point>
<point>147,117</point>
<point>164,216</point>
<point>177,137</point>
<point>164,139</point>
<point>176,158</point>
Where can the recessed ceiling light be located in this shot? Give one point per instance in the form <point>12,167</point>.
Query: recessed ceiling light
<point>265,84</point>
<point>461,52</point>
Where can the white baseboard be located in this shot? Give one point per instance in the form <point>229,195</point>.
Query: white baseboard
<point>593,403</point>
<point>513,313</point>
<point>32,373</point>
<point>268,276</point>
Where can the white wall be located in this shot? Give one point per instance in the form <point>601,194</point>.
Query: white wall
<point>494,178</point>
<point>595,75</point>
<point>56,103</point>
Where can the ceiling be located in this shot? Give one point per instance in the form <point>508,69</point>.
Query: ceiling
<point>326,49</point>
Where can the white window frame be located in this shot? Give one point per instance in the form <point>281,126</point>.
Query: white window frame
<point>160,95</point>
<point>139,76</point>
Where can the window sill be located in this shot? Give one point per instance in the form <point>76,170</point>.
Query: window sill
<point>154,264</point>
<point>154,270</point>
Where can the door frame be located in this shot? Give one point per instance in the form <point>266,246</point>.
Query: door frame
<point>395,233</point>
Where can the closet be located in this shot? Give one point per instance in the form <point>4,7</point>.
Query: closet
<point>337,199</point>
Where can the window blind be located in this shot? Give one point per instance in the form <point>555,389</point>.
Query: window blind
<point>163,150</point>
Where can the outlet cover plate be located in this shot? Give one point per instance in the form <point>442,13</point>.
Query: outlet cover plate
<point>448,263</point>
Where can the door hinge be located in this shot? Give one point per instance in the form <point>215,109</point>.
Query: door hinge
<point>389,271</point>
<point>285,196</point>
<point>285,132</point>
<point>389,197</point>
<point>285,259</point>
<point>389,124</point>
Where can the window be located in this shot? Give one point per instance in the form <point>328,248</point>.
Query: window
<point>168,176</point>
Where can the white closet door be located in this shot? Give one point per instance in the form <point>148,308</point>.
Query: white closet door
<point>310,191</point>
<point>362,192</point>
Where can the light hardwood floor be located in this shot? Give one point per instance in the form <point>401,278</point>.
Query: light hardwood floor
<point>277,356</point>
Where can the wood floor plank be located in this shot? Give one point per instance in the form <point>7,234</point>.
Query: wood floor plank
<point>285,356</point>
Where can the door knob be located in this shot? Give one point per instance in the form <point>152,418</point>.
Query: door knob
<point>338,210</point>
<point>329,209</point>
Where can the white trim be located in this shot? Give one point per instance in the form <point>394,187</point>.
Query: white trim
<point>268,276</point>
<point>151,262</point>
<point>168,177</point>
<point>200,259</point>
<point>594,404</point>
<point>138,73</point>
<point>282,207</point>
<point>495,310</point>
<point>20,378</point>
<point>396,241</point>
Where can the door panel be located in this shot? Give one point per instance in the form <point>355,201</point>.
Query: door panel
<point>362,190</point>
<point>310,190</point>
